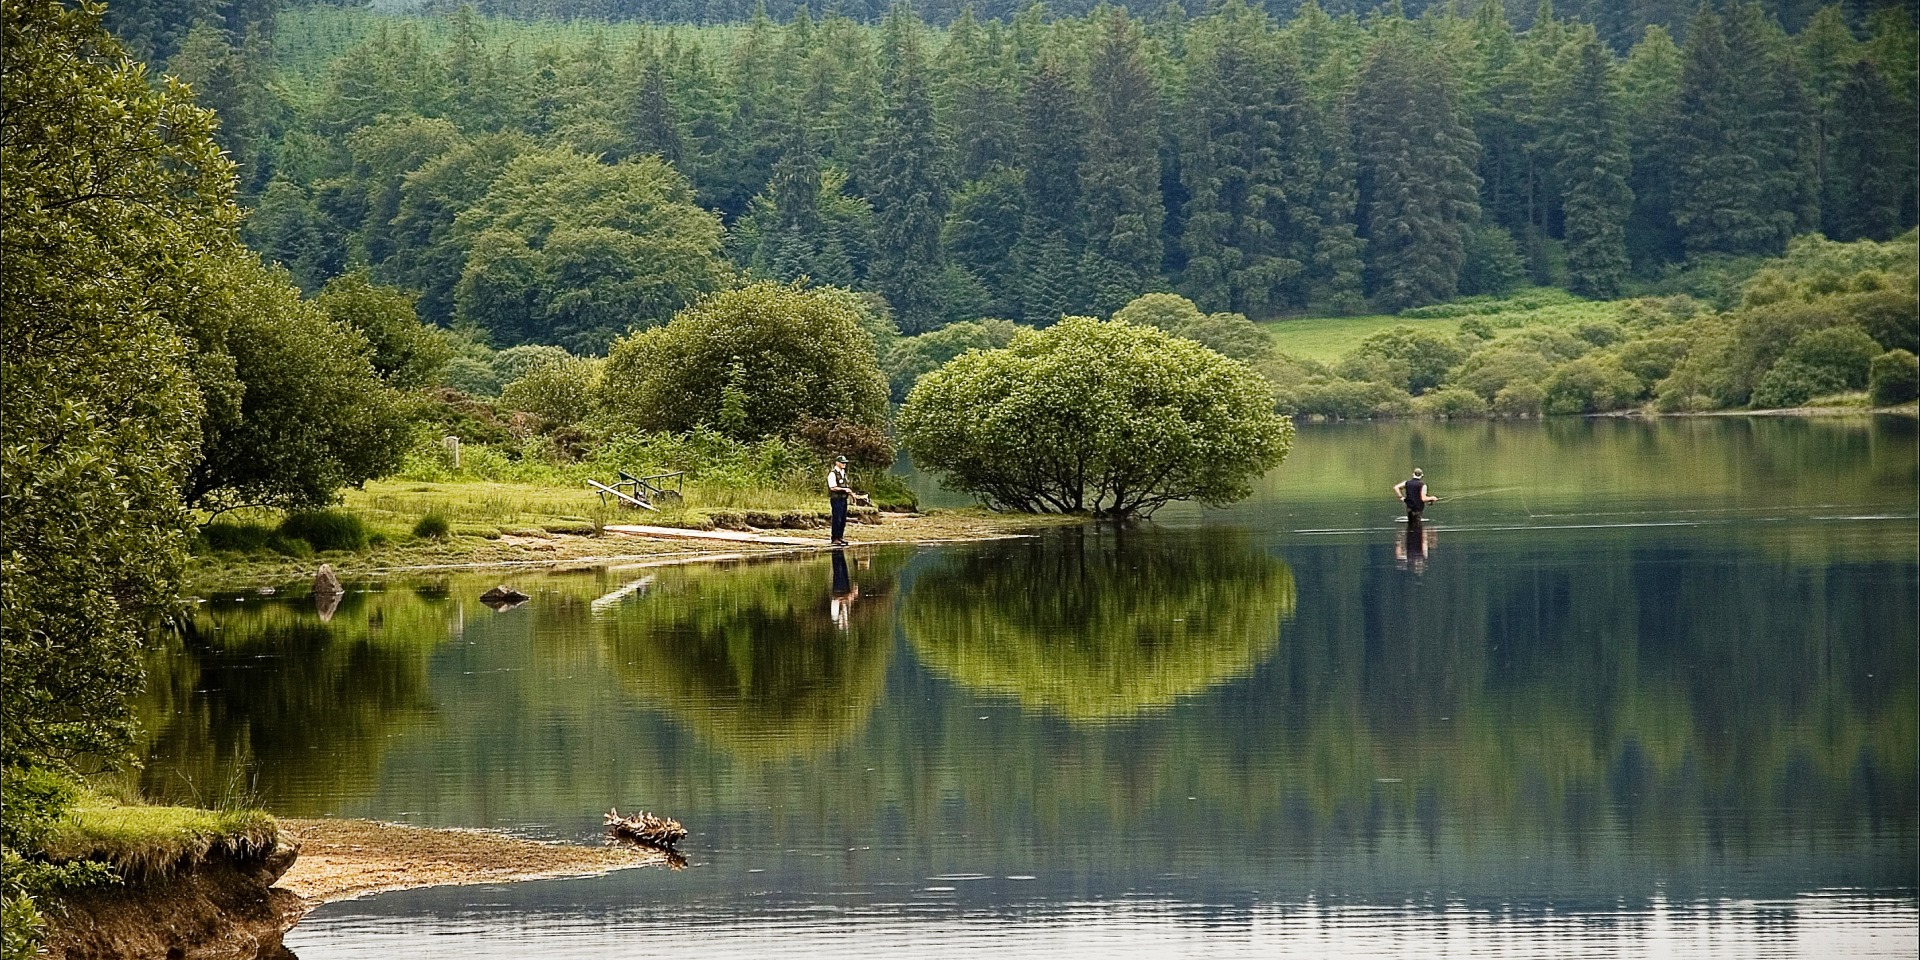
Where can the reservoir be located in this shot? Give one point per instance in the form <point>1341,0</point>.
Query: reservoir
<point>1635,688</point>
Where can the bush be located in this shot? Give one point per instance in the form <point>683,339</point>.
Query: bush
<point>1894,377</point>
<point>326,529</point>
<point>1452,403</point>
<point>433,526</point>
<point>1523,399</point>
<point>1816,363</point>
<point>1494,367</point>
<point>1427,355</point>
<point>242,537</point>
<point>1105,417</point>
<point>475,378</point>
<point>1343,399</point>
<point>1492,264</point>
<point>515,362</point>
<point>775,353</point>
<point>914,357</point>
<point>860,444</point>
<point>560,392</point>
<point>1594,384</point>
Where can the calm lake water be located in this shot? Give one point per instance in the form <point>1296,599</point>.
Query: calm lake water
<point>1637,689</point>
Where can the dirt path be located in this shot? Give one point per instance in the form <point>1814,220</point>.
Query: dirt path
<point>343,859</point>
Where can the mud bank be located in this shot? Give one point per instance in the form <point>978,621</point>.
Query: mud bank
<point>222,907</point>
<point>228,907</point>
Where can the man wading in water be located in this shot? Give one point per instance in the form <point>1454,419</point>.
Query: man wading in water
<point>1413,492</point>
<point>839,492</point>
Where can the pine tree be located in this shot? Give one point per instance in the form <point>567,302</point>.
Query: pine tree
<point>978,99</point>
<point>1248,171</point>
<point>1739,137</point>
<point>655,120</point>
<point>1650,83</point>
<point>753,130</point>
<point>1870,166</point>
<point>906,184</point>
<point>1591,161</point>
<point>790,246</point>
<point>1121,177</point>
<point>1418,191</point>
<point>1053,133</point>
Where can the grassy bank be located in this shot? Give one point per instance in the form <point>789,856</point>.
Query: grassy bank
<point>149,842</point>
<point>378,530</point>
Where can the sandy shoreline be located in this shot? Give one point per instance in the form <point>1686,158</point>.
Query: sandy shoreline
<point>344,859</point>
<point>563,551</point>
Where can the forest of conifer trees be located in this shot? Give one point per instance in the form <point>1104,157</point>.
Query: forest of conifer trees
<point>560,185</point>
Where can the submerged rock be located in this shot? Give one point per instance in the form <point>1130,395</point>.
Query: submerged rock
<point>503,597</point>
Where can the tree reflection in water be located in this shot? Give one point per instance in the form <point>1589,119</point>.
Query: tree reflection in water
<point>262,700</point>
<point>1100,624</point>
<point>765,660</point>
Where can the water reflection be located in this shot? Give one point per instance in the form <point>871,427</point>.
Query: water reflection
<point>286,700</point>
<point>1574,727</point>
<point>1099,624</point>
<point>752,658</point>
<point>1411,549</point>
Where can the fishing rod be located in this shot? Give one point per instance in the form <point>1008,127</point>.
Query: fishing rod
<point>1480,493</point>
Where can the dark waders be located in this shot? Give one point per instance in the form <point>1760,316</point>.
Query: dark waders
<point>839,516</point>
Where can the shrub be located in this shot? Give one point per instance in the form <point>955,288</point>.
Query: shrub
<point>1427,354</point>
<point>914,357</point>
<point>326,529</point>
<point>243,537</point>
<point>1792,383</point>
<point>1494,367</point>
<point>860,444</point>
<point>797,353</point>
<point>433,526</point>
<point>1452,403</point>
<point>560,392</point>
<point>515,362</point>
<point>1349,399</point>
<point>1523,399</point>
<point>1894,377</point>
<point>1590,385</point>
<point>1106,417</point>
<point>1492,263</point>
<point>475,378</point>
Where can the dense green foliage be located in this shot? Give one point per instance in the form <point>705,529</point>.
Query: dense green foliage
<point>116,198</point>
<point>1268,162</point>
<point>152,364</point>
<point>1807,326</point>
<point>1110,418</point>
<point>751,362</point>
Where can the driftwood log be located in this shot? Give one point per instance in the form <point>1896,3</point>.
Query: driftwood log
<point>646,829</point>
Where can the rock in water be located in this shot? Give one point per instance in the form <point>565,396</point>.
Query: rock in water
<point>503,597</point>
<point>327,582</point>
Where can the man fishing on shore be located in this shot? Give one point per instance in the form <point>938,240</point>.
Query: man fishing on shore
<point>1414,493</point>
<point>839,492</point>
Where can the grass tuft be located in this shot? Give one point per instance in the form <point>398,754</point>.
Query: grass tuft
<point>146,843</point>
